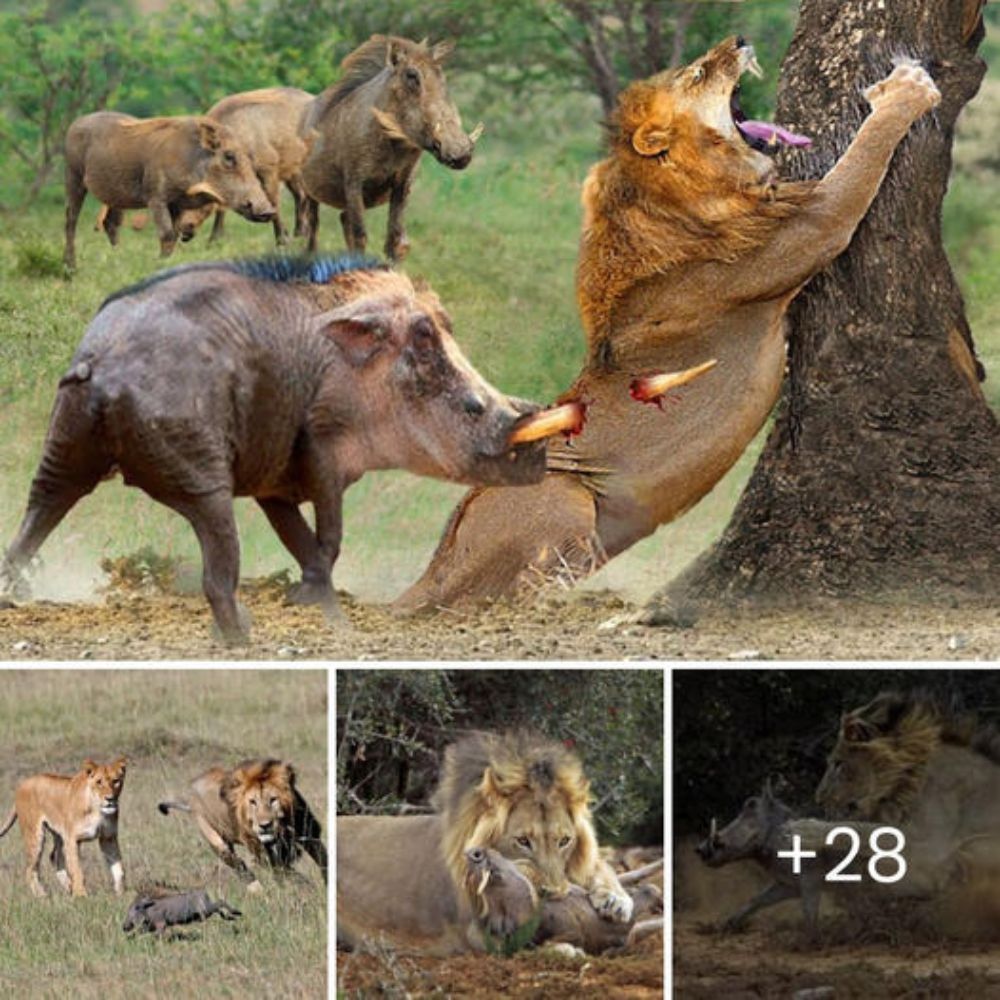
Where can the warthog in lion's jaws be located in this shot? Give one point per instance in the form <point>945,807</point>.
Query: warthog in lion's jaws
<point>369,129</point>
<point>158,910</point>
<point>168,164</point>
<point>283,380</point>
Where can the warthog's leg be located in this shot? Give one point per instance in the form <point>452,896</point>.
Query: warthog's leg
<point>775,893</point>
<point>316,565</point>
<point>352,219</point>
<point>111,224</point>
<point>271,183</point>
<point>164,225</point>
<point>211,516</point>
<point>58,859</point>
<point>312,221</point>
<point>397,245</point>
<point>218,226</point>
<point>299,196</point>
<point>75,193</point>
<point>72,465</point>
<point>113,859</point>
<point>227,855</point>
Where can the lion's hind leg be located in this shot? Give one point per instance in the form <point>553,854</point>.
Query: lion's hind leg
<point>58,859</point>
<point>34,847</point>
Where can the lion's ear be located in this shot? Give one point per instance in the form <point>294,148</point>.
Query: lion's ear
<point>490,787</point>
<point>855,730</point>
<point>119,764</point>
<point>288,772</point>
<point>88,767</point>
<point>652,138</point>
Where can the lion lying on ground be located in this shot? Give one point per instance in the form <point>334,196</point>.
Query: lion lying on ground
<point>256,804</point>
<point>406,877</point>
<point>73,809</point>
<point>692,250</point>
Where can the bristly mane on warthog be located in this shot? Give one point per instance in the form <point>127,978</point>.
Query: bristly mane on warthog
<point>282,380</point>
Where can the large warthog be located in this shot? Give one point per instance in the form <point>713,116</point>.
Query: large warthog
<point>281,379</point>
<point>368,132</point>
<point>267,123</point>
<point>167,164</point>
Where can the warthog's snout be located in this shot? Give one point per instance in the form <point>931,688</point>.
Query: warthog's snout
<point>259,212</point>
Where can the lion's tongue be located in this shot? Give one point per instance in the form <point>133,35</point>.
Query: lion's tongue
<point>772,134</point>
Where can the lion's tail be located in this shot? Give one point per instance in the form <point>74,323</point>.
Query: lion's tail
<point>11,819</point>
<point>165,807</point>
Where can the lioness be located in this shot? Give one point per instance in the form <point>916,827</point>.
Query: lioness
<point>256,804</point>
<point>692,249</point>
<point>73,809</point>
<point>407,876</point>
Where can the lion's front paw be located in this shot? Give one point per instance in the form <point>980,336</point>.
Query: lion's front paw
<point>615,904</point>
<point>909,86</point>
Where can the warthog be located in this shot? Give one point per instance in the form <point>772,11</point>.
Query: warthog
<point>281,379</point>
<point>167,164</point>
<point>765,826</point>
<point>158,910</point>
<point>505,901</point>
<point>267,123</point>
<point>369,130</point>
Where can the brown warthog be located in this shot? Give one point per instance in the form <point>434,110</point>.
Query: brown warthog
<point>281,379</point>
<point>167,164</point>
<point>370,129</point>
<point>267,123</point>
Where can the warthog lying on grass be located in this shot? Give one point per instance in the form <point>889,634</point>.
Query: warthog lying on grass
<point>284,380</point>
<point>160,909</point>
<point>506,902</point>
<point>167,164</point>
<point>369,130</point>
<point>267,123</point>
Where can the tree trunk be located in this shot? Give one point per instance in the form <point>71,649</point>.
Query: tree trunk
<point>882,472</point>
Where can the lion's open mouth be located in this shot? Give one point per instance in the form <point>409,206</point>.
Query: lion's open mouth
<point>763,136</point>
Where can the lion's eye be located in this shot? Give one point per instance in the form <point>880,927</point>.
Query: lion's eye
<point>274,801</point>
<point>697,74</point>
<point>253,802</point>
<point>565,841</point>
<point>524,842</point>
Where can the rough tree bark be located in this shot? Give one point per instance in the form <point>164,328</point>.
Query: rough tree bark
<point>882,471</point>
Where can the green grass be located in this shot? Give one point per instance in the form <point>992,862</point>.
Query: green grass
<point>171,725</point>
<point>498,242</point>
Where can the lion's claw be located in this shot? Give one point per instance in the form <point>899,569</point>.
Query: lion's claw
<point>613,904</point>
<point>909,85</point>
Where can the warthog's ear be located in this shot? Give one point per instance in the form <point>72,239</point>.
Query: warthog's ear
<point>208,135</point>
<point>393,52</point>
<point>360,330</point>
<point>202,193</point>
<point>652,138</point>
<point>441,51</point>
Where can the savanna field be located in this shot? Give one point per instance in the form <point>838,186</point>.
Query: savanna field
<point>498,242</point>
<point>171,726</point>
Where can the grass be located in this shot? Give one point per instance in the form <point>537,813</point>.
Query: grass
<point>171,725</point>
<point>498,242</point>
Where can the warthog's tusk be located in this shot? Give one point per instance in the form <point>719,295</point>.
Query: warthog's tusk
<point>713,831</point>
<point>476,133</point>
<point>392,128</point>
<point>482,882</point>
<point>566,419</point>
<point>754,68</point>
<point>649,388</point>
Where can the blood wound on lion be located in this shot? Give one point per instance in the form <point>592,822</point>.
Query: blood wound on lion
<point>651,388</point>
<point>568,419</point>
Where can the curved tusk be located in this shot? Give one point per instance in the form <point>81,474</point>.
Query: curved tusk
<point>713,831</point>
<point>565,419</point>
<point>476,133</point>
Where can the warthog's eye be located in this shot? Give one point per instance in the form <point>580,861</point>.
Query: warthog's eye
<point>423,335</point>
<point>229,158</point>
<point>524,842</point>
<point>697,74</point>
<point>413,79</point>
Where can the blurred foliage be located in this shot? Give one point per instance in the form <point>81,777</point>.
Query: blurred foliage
<point>734,728</point>
<point>392,726</point>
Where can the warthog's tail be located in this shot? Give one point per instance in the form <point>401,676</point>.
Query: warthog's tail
<point>638,874</point>
<point>9,822</point>
<point>165,807</point>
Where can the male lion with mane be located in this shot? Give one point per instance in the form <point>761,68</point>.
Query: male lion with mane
<point>256,804</point>
<point>692,249</point>
<point>407,877</point>
<point>73,809</point>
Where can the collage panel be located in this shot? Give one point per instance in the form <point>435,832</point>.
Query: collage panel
<point>500,832</point>
<point>855,852</point>
<point>163,831</point>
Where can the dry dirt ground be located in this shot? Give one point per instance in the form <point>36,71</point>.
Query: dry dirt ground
<point>537,975</point>
<point>764,963</point>
<point>582,625</point>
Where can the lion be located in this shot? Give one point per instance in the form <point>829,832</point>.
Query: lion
<point>692,249</point>
<point>255,804</point>
<point>73,809</point>
<point>406,877</point>
<point>905,761</point>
